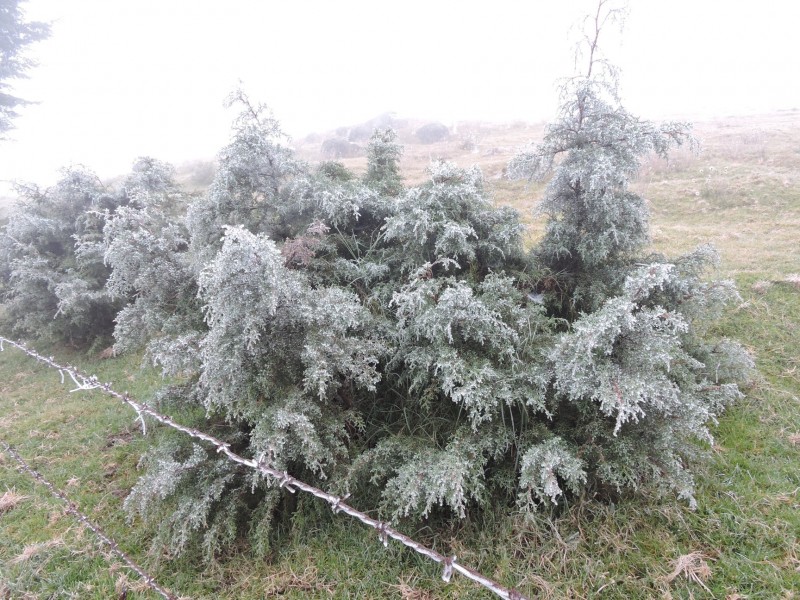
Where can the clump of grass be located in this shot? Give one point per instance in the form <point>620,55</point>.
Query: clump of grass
<point>761,287</point>
<point>693,566</point>
<point>124,585</point>
<point>405,587</point>
<point>793,279</point>
<point>31,550</point>
<point>308,581</point>
<point>10,499</point>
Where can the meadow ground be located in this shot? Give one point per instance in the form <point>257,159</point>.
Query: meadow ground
<point>741,193</point>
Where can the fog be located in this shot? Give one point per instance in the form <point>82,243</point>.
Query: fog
<point>118,80</point>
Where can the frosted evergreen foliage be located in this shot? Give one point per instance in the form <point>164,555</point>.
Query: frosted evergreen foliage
<point>383,158</point>
<point>399,343</point>
<point>634,384</point>
<point>258,311</point>
<point>55,273</point>
<point>593,149</point>
<point>450,223</point>
<point>204,500</point>
<point>545,468</point>
<point>249,187</point>
<point>146,245</point>
<point>475,346</point>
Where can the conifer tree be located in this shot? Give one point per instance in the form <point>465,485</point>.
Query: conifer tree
<point>15,35</point>
<point>634,384</point>
<point>383,157</point>
<point>596,226</point>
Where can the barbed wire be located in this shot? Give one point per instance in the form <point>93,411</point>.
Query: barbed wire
<point>72,509</point>
<point>291,484</point>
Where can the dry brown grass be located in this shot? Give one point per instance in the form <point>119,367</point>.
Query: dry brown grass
<point>490,145</point>
<point>125,583</point>
<point>9,500</point>
<point>741,193</point>
<point>31,550</point>
<point>761,287</point>
<point>284,582</point>
<point>693,566</point>
<point>793,279</point>
<point>405,588</point>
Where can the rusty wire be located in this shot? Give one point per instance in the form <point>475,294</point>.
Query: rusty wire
<point>72,509</point>
<point>286,481</point>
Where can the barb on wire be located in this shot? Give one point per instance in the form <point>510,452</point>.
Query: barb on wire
<point>72,509</point>
<point>291,484</point>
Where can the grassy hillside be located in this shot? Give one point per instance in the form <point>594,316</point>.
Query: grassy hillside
<point>742,193</point>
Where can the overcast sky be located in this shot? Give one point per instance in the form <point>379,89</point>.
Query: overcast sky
<point>120,79</point>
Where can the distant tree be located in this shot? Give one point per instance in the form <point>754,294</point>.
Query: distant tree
<point>339,147</point>
<point>15,35</point>
<point>431,133</point>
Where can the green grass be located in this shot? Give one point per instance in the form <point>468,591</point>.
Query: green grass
<point>744,532</point>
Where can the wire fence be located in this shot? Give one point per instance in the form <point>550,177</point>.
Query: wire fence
<point>72,509</point>
<point>291,484</point>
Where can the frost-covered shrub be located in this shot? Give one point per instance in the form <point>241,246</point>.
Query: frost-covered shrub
<point>449,222</point>
<point>146,245</point>
<point>55,287</point>
<point>351,330</point>
<point>400,344</point>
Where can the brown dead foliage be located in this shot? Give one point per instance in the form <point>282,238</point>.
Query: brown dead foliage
<point>407,590</point>
<point>31,550</point>
<point>9,500</point>
<point>693,566</point>
<point>307,581</point>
